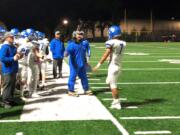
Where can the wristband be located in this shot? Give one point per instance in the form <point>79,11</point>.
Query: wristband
<point>98,65</point>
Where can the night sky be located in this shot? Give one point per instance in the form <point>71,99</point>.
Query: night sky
<point>40,13</point>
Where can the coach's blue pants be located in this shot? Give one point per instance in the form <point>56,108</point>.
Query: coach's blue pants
<point>81,73</point>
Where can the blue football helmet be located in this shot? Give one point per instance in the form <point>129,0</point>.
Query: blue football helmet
<point>24,34</point>
<point>114,31</point>
<point>2,29</point>
<point>30,31</point>
<point>15,31</point>
<point>41,35</point>
<point>31,34</point>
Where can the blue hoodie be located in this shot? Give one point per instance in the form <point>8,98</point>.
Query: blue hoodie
<point>77,53</point>
<point>7,53</point>
<point>57,48</point>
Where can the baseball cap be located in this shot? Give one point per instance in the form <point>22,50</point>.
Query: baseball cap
<point>57,32</point>
<point>8,34</point>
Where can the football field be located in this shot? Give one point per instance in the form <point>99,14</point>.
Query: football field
<point>149,87</point>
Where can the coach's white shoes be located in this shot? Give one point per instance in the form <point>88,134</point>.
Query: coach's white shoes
<point>116,104</point>
<point>73,94</point>
<point>89,93</point>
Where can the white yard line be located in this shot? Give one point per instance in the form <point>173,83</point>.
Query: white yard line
<point>56,105</point>
<point>92,79</point>
<point>151,118</point>
<point>107,92</point>
<point>157,56</point>
<point>19,133</point>
<point>135,61</point>
<point>137,83</point>
<point>151,132</point>
<point>92,45</point>
<point>131,107</point>
<point>100,47</point>
<point>99,87</point>
<point>144,69</point>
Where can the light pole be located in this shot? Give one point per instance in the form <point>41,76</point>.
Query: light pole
<point>65,22</point>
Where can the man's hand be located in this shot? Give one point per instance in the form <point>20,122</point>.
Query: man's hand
<point>17,57</point>
<point>96,67</point>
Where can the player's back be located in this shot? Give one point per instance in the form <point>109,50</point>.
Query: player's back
<point>117,50</point>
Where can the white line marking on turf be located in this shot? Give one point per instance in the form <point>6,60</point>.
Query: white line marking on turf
<point>19,133</point>
<point>137,54</point>
<point>100,47</point>
<point>138,83</point>
<point>135,61</point>
<point>99,87</point>
<point>92,79</point>
<point>144,69</point>
<point>160,56</point>
<point>107,92</point>
<point>150,118</point>
<point>151,132</point>
<point>110,99</point>
<point>132,107</point>
<point>92,45</point>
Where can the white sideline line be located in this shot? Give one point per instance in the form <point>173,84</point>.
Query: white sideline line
<point>138,83</point>
<point>151,132</point>
<point>119,126</point>
<point>110,99</point>
<point>150,118</point>
<point>144,69</point>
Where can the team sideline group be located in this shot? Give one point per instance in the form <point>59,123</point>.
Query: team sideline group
<point>24,57</point>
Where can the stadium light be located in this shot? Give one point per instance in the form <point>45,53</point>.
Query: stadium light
<point>65,22</point>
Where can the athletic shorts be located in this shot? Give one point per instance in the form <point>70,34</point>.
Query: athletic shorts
<point>113,75</point>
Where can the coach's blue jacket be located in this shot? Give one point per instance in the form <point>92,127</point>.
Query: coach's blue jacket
<point>77,53</point>
<point>7,53</point>
<point>57,48</point>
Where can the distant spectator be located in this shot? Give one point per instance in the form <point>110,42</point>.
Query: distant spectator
<point>173,38</point>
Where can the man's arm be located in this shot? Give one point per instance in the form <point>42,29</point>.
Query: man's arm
<point>104,57</point>
<point>89,50</point>
<point>52,46</point>
<point>68,50</point>
<point>6,59</point>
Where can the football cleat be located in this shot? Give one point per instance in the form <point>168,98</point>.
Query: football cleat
<point>116,104</point>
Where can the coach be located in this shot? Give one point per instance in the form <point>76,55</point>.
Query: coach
<point>9,60</point>
<point>57,49</point>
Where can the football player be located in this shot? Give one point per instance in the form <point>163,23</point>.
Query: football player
<point>114,50</point>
